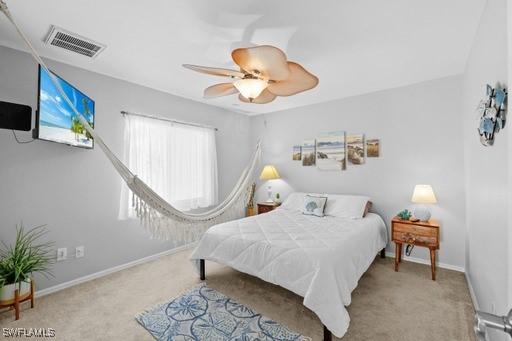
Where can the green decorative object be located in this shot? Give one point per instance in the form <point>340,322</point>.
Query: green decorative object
<point>404,215</point>
<point>18,262</point>
<point>28,255</point>
<point>250,204</point>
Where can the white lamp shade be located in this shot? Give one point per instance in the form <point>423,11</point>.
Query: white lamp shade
<point>269,172</point>
<point>423,194</point>
<point>250,88</point>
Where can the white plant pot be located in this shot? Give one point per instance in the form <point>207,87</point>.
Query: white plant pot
<point>7,291</point>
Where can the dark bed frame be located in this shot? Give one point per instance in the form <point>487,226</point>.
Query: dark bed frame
<point>327,332</point>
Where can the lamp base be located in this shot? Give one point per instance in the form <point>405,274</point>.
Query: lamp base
<point>269,192</point>
<point>422,213</point>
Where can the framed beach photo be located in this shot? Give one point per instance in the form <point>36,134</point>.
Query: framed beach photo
<point>331,152</point>
<point>308,153</point>
<point>372,148</point>
<point>355,149</point>
<point>297,153</point>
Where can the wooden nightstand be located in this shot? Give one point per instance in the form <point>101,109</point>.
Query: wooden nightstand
<point>419,233</point>
<point>264,207</point>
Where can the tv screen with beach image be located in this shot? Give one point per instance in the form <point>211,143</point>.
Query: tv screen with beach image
<point>57,121</point>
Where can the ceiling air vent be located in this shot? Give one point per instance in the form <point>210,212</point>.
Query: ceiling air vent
<point>73,42</point>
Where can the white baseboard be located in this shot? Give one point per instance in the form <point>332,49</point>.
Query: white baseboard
<point>472,293</point>
<point>109,271</point>
<point>427,262</point>
<point>476,306</point>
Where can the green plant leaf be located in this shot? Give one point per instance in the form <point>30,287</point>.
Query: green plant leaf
<point>27,256</point>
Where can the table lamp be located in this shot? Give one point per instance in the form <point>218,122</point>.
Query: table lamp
<point>269,172</point>
<point>423,194</point>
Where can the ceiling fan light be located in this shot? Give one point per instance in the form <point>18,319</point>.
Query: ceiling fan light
<point>250,88</point>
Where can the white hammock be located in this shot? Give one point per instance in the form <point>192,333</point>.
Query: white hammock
<point>159,217</point>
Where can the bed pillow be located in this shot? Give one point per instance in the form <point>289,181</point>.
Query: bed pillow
<point>367,209</point>
<point>347,206</point>
<point>314,205</point>
<point>295,201</point>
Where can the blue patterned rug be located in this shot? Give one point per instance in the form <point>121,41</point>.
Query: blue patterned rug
<point>203,314</point>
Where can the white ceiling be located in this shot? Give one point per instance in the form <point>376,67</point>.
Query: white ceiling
<point>352,46</point>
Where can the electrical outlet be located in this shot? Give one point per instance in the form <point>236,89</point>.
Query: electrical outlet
<point>493,308</point>
<point>62,253</point>
<point>79,251</point>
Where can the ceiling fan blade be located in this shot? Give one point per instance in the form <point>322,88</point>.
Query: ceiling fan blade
<point>215,71</point>
<point>219,90</point>
<point>264,61</point>
<point>300,80</point>
<point>265,97</point>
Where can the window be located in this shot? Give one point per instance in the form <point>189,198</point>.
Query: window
<point>179,162</point>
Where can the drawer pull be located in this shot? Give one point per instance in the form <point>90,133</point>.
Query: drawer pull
<point>409,238</point>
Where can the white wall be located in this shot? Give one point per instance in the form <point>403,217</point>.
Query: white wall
<point>421,142</point>
<point>487,177</point>
<point>76,191</point>
<point>509,208</point>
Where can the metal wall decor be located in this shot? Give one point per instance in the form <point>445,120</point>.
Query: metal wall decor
<point>492,114</point>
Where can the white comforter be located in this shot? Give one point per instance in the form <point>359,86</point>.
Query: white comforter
<point>320,259</point>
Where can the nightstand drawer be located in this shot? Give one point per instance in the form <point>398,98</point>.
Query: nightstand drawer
<point>411,238</point>
<point>264,209</point>
<point>267,207</point>
<point>416,229</point>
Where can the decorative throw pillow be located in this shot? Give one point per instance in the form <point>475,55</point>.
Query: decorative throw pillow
<point>314,205</point>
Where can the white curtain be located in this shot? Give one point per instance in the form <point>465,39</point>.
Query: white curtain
<point>177,161</point>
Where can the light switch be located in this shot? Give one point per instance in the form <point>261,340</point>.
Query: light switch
<point>80,251</point>
<point>62,253</point>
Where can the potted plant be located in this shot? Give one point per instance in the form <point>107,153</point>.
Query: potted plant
<point>404,215</point>
<point>19,261</point>
<point>250,204</point>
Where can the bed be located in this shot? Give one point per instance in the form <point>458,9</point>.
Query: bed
<point>318,258</point>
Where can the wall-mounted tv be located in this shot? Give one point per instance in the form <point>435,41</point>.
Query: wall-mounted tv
<point>55,120</point>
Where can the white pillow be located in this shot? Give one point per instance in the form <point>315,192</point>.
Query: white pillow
<point>346,206</point>
<point>314,205</point>
<point>295,201</point>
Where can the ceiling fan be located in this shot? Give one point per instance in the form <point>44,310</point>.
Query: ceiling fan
<point>264,74</point>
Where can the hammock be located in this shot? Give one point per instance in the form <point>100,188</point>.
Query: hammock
<point>159,217</point>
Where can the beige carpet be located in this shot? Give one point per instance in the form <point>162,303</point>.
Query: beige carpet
<point>385,306</point>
